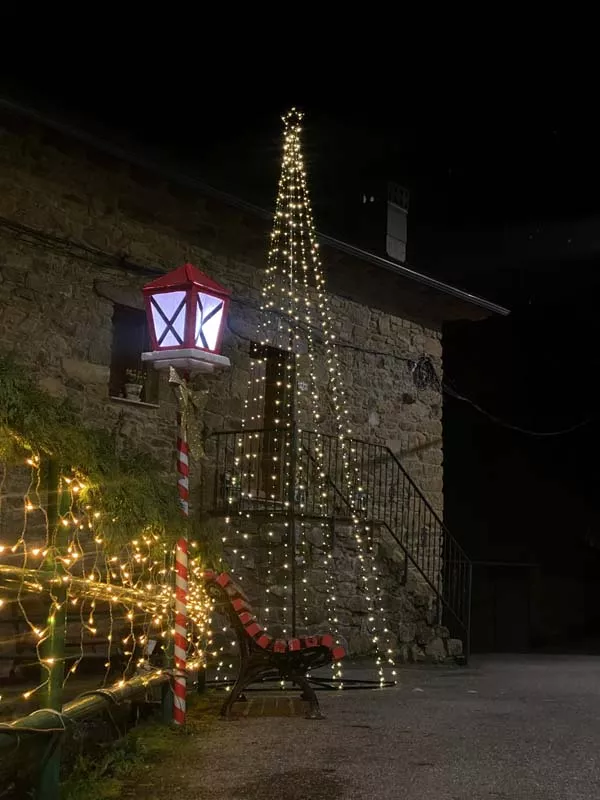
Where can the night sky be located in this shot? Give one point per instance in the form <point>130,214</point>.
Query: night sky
<point>476,163</point>
<point>474,169</point>
<point>500,190</point>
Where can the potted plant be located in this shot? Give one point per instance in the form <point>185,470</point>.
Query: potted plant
<point>134,384</point>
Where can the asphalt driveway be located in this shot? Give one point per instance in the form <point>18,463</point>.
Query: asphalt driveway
<point>516,728</point>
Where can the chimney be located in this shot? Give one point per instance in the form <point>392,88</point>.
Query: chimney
<point>378,222</point>
<point>397,217</point>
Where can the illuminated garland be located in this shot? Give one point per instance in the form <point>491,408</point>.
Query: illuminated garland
<point>109,583</point>
<point>294,303</point>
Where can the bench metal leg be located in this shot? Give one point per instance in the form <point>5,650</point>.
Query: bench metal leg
<point>235,692</point>
<point>309,694</point>
<point>244,680</point>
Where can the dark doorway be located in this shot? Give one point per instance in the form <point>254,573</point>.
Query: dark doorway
<point>501,614</point>
<point>278,417</point>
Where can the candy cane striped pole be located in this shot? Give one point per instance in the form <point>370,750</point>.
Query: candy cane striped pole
<point>181,579</point>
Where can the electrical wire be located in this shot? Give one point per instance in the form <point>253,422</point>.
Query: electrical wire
<point>561,432</point>
<point>56,243</point>
<point>424,375</point>
<point>61,244</point>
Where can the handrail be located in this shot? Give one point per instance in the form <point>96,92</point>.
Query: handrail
<point>329,480</point>
<point>366,478</point>
<point>45,720</point>
<point>408,476</point>
<point>378,522</point>
<point>390,530</point>
<point>382,447</point>
<point>408,555</point>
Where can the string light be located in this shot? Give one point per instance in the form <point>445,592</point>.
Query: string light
<point>91,580</point>
<point>292,381</point>
<point>129,587</point>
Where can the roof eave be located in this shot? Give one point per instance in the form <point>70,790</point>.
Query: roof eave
<point>119,152</point>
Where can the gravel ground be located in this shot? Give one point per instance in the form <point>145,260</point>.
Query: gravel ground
<point>520,728</point>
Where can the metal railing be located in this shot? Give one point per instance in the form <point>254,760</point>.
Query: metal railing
<point>292,472</point>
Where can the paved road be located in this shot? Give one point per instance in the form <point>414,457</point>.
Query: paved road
<point>514,728</point>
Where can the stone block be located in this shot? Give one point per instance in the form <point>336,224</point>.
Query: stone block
<point>213,422</point>
<point>359,643</point>
<point>54,386</point>
<point>317,580</point>
<point>316,537</point>
<point>420,599</point>
<point>406,632</point>
<point>435,650</point>
<point>424,634</point>
<point>345,588</point>
<point>357,604</point>
<point>99,351</point>
<point>454,647</point>
<point>46,284</point>
<point>383,325</point>
<point>84,372</point>
<point>248,561</point>
<point>14,275</point>
<point>25,294</point>
<point>279,591</point>
<point>344,618</point>
<point>416,654</point>
<point>433,347</point>
<point>403,655</point>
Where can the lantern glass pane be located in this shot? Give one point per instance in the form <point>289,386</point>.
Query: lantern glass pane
<point>168,314</point>
<point>208,320</point>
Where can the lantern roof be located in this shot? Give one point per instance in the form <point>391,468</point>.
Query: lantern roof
<point>184,276</point>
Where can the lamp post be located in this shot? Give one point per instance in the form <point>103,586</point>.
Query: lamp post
<point>186,313</point>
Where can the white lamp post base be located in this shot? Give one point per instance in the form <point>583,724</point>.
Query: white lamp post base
<point>191,360</point>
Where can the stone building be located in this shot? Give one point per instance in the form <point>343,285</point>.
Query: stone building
<point>84,225</point>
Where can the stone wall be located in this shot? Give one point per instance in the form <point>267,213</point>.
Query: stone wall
<point>57,317</point>
<point>80,231</point>
<point>260,563</point>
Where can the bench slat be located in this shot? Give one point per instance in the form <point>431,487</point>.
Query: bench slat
<point>242,608</point>
<point>254,629</point>
<point>264,641</point>
<point>310,641</point>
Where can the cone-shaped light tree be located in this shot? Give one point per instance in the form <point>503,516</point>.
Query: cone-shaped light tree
<point>295,397</point>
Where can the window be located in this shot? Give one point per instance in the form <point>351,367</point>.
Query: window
<point>130,339</point>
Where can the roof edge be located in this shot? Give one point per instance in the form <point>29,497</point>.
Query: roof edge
<point>176,175</point>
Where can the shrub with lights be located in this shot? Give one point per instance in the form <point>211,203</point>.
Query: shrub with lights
<point>105,549</point>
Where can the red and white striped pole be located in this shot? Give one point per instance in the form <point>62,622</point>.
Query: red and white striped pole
<point>181,577</point>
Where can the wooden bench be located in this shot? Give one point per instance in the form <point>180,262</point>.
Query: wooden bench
<point>261,655</point>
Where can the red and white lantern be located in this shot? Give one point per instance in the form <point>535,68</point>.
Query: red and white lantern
<point>186,313</point>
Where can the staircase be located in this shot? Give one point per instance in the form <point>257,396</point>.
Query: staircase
<point>336,479</point>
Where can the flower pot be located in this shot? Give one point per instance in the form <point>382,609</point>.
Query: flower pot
<point>133,391</point>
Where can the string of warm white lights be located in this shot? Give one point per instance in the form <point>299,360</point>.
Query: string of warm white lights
<point>115,596</point>
<point>292,373</point>
<point>301,231</point>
